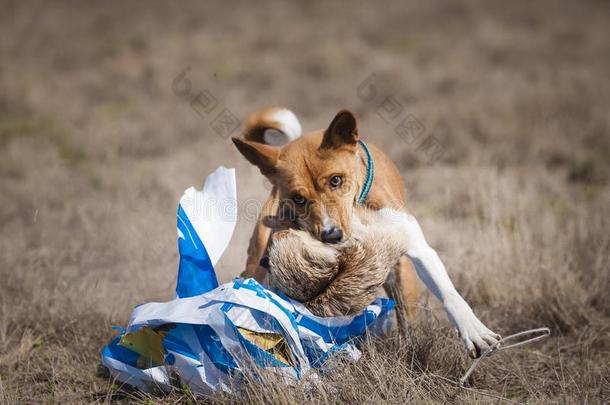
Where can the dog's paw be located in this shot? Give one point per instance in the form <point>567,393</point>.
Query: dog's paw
<point>476,336</point>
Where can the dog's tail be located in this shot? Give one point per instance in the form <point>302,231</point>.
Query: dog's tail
<point>272,126</point>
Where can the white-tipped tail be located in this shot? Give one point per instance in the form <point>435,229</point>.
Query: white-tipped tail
<point>272,126</point>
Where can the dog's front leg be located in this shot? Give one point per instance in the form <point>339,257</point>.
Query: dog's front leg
<point>431,270</point>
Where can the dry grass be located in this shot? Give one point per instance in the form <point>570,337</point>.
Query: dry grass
<point>95,149</point>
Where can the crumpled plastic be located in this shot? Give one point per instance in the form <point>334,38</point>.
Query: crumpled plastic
<point>209,334</point>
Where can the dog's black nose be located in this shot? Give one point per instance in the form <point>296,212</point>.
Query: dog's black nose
<point>264,262</point>
<point>332,235</point>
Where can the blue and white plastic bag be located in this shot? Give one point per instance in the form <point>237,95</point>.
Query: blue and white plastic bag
<point>209,333</point>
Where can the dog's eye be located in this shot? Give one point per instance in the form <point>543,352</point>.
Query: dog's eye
<point>299,199</point>
<point>336,181</point>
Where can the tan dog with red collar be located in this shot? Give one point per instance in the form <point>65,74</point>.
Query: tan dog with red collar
<point>318,180</point>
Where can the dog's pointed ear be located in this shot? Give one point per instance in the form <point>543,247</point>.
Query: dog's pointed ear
<point>263,156</point>
<point>343,130</point>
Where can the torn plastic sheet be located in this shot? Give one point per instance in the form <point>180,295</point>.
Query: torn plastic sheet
<point>209,334</point>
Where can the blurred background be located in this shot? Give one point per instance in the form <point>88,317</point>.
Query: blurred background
<point>497,114</point>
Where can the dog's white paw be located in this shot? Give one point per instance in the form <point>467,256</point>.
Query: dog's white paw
<point>476,337</point>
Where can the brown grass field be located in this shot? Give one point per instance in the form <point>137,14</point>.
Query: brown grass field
<point>97,144</point>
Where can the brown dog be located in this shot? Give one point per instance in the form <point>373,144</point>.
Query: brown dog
<point>318,180</point>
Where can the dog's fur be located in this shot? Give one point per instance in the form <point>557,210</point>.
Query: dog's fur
<point>337,279</point>
<point>321,154</point>
<point>302,170</point>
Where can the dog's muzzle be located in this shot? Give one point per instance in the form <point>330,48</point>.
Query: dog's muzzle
<point>332,235</point>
